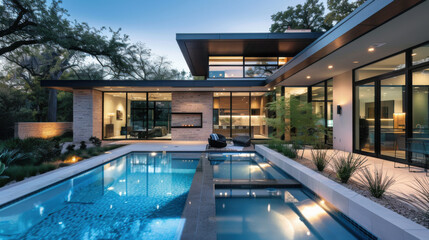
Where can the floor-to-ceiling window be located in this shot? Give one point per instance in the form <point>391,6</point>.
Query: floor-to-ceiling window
<point>136,115</point>
<point>391,106</point>
<point>240,113</point>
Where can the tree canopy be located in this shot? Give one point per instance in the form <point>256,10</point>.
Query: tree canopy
<point>311,15</point>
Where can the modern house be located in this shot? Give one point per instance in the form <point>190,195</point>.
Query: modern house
<point>368,77</point>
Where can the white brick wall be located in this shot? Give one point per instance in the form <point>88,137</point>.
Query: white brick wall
<point>87,109</point>
<point>193,102</point>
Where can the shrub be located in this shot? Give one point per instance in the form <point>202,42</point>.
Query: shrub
<point>82,145</point>
<point>289,152</point>
<point>420,199</point>
<point>9,156</point>
<point>346,166</point>
<point>320,159</point>
<point>377,182</point>
<point>46,167</point>
<point>70,148</point>
<point>95,140</point>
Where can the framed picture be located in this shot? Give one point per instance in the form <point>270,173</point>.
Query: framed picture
<point>119,115</point>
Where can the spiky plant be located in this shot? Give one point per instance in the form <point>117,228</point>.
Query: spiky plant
<point>346,165</point>
<point>320,158</point>
<point>7,157</point>
<point>376,181</point>
<point>420,199</point>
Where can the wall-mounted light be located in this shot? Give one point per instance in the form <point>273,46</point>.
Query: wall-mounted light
<point>339,110</point>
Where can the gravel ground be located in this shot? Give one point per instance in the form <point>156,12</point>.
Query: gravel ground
<point>389,201</point>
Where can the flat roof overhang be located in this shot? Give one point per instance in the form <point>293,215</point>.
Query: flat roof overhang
<point>157,85</point>
<point>197,47</point>
<point>395,24</point>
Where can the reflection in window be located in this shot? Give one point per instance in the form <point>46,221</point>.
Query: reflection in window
<point>260,71</point>
<point>225,72</point>
<point>384,66</point>
<point>216,60</point>
<point>259,112</point>
<point>283,60</point>
<point>221,113</point>
<point>260,61</point>
<point>365,114</point>
<point>420,54</point>
<point>421,104</point>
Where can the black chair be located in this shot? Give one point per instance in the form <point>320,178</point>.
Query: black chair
<point>219,143</point>
<point>243,141</point>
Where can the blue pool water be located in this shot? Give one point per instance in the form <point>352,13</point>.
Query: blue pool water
<point>244,166</point>
<point>137,196</point>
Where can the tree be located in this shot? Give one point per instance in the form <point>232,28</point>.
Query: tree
<point>339,9</point>
<point>306,16</point>
<point>31,22</point>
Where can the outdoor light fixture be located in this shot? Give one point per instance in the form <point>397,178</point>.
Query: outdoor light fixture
<point>371,49</point>
<point>308,77</point>
<point>330,67</point>
<point>339,110</point>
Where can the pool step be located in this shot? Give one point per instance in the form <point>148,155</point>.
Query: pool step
<point>245,184</point>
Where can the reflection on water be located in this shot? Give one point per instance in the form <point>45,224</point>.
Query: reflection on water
<point>140,195</point>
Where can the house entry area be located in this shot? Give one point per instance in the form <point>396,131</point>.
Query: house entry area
<point>136,115</point>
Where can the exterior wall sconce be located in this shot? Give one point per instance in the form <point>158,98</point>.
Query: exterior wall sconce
<point>339,110</point>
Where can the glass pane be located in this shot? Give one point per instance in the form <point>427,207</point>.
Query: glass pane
<point>260,60</point>
<point>420,54</point>
<point>240,114</point>
<point>225,72</point>
<point>221,113</point>
<point>137,116</point>
<point>384,66</point>
<point>318,92</point>
<point>421,104</point>
<point>260,71</point>
<point>114,116</point>
<point>392,117</point>
<point>237,60</point>
<point>365,114</point>
<point>330,89</point>
<point>259,113</point>
<point>283,60</point>
<point>297,92</point>
<point>160,107</point>
<point>319,110</point>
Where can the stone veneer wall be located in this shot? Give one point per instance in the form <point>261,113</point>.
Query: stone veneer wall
<point>41,129</point>
<point>87,110</point>
<point>193,102</point>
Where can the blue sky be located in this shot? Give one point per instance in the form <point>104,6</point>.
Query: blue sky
<point>155,22</point>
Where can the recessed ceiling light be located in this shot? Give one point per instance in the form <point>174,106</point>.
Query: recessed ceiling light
<point>308,77</point>
<point>274,87</point>
<point>355,61</point>
<point>269,89</point>
<point>330,67</point>
<point>371,49</point>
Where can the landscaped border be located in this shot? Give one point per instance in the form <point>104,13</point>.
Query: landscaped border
<point>380,221</point>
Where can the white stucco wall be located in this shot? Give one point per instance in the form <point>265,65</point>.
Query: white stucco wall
<point>343,124</point>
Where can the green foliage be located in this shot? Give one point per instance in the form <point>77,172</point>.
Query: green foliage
<point>339,9</point>
<point>377,182</point>
<point>289,152</point>
<point>419,199</point>
<point>320,158</point>
<point>303,16</point>
<point>82,145</point>
<point>8,156</point>
<point>95,140</point>
<point>346,165</point>
<point>280,107</point>
<point>70,148</point>
<point>36,150</point>
<point>310,15</point>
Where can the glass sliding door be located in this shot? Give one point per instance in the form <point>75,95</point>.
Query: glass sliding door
<point>240,114</point>
<point>159,114</point>
<point>258,113</point>
<point>365,118</point>
<point>114,118</point>
<point>392,117</point>
<point>137,115</point>
<point>420,102</point>
<point>222,113</point>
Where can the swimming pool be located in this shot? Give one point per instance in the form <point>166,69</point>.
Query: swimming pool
<point>137,196</point>
<point>244,166</point>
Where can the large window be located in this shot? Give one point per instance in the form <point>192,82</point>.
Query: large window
<point>247,67</point>
<point>136,115</point>
<point>240,113</point>
<point>391,107</point>
<point>321,101</point>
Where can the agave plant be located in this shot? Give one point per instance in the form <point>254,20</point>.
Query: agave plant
<point>420,199</point>
<point>320,158</point>
<point>346,165</point>
<point>377,181</point>
<point>7,157</point>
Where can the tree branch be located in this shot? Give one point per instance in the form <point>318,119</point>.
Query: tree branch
<point>16,45</point>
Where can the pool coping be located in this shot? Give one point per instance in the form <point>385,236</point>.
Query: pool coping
<point>380,221</point>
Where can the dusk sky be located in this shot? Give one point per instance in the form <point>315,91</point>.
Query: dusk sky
<point>156,22</point>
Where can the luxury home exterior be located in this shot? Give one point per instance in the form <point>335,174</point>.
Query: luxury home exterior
<point>368,78</point>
